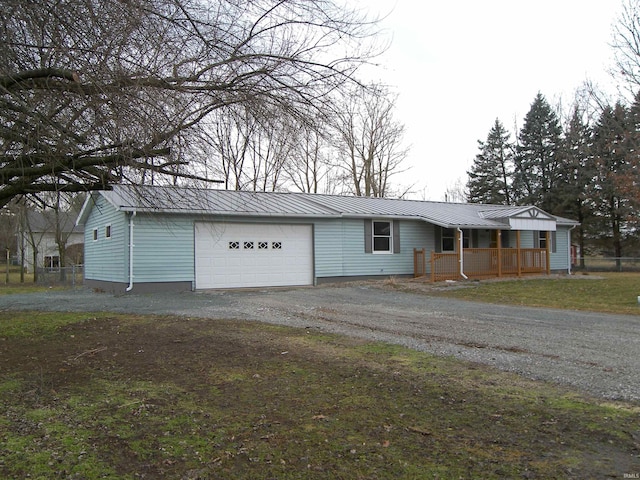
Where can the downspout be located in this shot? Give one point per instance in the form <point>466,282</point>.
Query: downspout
<point>461,237</point>
<point>130,287</point>
<point>569,250</point>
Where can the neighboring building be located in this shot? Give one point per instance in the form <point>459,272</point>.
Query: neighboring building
<point>39,231</point>
<point>155,238</point>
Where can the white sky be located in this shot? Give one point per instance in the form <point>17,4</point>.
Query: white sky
<point>459,65</point>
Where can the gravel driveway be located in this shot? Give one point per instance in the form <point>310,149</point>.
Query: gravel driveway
<point>593,352</point>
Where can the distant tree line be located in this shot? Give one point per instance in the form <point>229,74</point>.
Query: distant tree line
<point>587,171</point>
<point>586,167</point>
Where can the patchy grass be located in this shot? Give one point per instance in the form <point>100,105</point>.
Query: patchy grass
<point>90,396</point>
<point>602,292</point>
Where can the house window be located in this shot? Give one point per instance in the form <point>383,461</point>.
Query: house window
<point>234,245</point>
<point>107,231</point>
<point>248,245</point>
<point>276,245</point>
<point>542,239</point>
<point>263,245</point>
<point>382,234</point>
<point>95,234</point>
<point>504,239</point>
<point>448,240</point>
<point>467,241</point>
<point>52,262</point>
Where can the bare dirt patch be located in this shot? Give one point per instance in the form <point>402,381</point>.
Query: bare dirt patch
<point>176,397</point>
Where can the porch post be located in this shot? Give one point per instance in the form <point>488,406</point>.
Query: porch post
<point>433,266</point>
<point>518,260</point>
<point>457,247</point>
<point>548,242</point>
<point>499,245</point>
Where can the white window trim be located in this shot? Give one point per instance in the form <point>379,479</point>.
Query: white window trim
<point>373,236</point>
<point>95,235</point>
<point>107,231</point>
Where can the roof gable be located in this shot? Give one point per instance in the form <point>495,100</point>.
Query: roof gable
<point>48,221</point>
<point>522,218</point>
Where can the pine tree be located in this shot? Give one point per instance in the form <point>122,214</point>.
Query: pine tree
<point>577,171</point>
<point>630,181</point>
<point>489,177</point>
<point>611,147</point>
<point>538,157</point>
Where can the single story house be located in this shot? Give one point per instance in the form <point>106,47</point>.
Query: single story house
<point>168,238</point>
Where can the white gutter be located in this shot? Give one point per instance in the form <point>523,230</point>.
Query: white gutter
<point>569,249</point>
<point>461,235</point>
<point>130,287</point>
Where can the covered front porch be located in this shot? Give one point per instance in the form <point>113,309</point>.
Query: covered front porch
<point>478,263</point>
<point>511,242</point>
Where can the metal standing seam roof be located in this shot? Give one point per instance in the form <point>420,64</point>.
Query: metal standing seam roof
<point>276,204</point>
<point>212,202</point>
<point>48,221</point>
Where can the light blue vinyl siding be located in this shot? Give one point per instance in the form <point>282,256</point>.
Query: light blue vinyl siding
<point>106,258</point>
<point>163,248</point>
<point>560,259</point>
<point>526,239</point>
<point>340,252</point>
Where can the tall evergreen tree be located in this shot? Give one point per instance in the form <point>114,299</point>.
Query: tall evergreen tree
<point>538,157</point>
<point>629,182</point>
<point>611,148</point>
<point>577,171</point>
<point>489,177</point>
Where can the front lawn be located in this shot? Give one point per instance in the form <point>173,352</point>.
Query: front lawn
<point>600,292</point>
<point>104,396</point>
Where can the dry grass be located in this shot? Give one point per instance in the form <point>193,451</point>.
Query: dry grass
<point>89,396</point>
<point>601,292</point>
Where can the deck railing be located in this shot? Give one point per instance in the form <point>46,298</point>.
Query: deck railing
<point>488,262</point>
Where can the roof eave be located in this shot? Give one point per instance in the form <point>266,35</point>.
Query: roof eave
<point>223,213</point>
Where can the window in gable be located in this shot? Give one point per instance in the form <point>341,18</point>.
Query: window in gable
<point>107,231</point>
<point>382,237</point>
<point>95,234</point>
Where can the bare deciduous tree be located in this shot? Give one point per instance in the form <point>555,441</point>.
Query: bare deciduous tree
<point>309,168</point>
<point>369,141</point>
<point>93,92</point>
<point>626,46</point>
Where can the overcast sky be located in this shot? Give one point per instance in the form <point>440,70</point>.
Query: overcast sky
<point>459,65</point>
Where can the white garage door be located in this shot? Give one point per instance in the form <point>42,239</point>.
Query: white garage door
<point>230,255</point>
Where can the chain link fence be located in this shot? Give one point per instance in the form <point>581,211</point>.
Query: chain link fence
<point>61,276</point>
<point>607,264</point>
